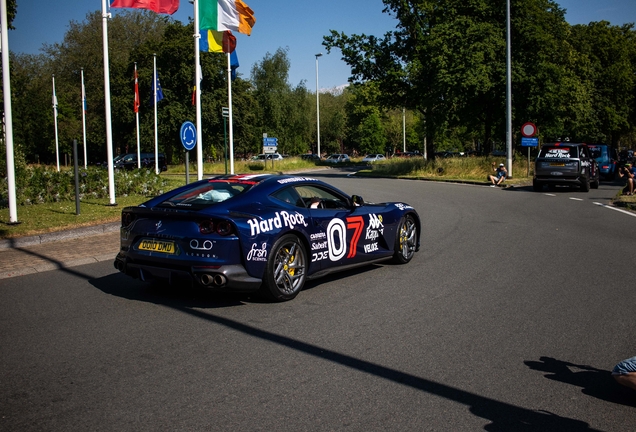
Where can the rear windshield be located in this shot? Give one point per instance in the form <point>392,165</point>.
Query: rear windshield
<point>595,151</point>
<point>559,152</point>
<point>209,193</point>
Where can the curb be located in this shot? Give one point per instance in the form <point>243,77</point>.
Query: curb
<point>19,242</point>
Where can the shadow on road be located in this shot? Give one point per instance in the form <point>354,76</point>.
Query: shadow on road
<point>503,416</point>
<point>594,382</point>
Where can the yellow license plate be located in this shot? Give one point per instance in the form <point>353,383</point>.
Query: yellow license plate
<point>158,246</point>
<point>557,164</point>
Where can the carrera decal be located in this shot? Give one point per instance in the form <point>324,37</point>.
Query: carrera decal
<point>281,219</point>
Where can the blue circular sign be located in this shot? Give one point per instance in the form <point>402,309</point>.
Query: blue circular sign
<point>188,135</point>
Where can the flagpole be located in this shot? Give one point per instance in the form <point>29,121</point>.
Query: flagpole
<point>57,146</point>
<point>154,86</point>
<point>229,98</point>
<point>8,118</point>
<point>137,117</point>
<point>109,127</point>
<point>197,89</point>
<point>84,119</point>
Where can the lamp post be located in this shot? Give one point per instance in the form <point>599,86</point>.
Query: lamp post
<point>318,105</point>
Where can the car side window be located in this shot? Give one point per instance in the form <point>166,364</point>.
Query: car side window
<point>327,199</point>
<point>584,152</point>
<point>289,196</point>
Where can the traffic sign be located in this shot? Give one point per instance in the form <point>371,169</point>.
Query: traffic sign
<point>225,112</point>
<point>270,142</point>
<point>188,135</point>
<point>529,142</point>
<point>528,130</point>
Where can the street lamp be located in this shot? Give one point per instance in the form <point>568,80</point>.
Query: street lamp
<point>318,104</point>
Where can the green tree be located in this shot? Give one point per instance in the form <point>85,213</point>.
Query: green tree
<point>609,54</point>
<point>447,60</point>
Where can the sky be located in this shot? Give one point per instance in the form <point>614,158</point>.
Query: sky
<point>296,25</point>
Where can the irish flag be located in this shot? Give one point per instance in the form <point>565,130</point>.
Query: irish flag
<point>221,15</point>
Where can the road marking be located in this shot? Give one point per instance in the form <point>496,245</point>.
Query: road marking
<point>576,199</point>
<point>616,208</point>
<point>550,194</point>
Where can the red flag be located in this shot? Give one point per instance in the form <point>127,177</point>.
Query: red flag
<point>159,6</point>
<point>136,91</point>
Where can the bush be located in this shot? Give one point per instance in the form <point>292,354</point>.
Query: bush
<point>40,184</point>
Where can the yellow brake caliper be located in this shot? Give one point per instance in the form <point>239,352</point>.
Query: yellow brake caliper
<point>290,271</point>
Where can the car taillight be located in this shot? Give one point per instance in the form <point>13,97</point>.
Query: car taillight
<point>126,219</point>
<point>223,228</point>
<point>206,227</point>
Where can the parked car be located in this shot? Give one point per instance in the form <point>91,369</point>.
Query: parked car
<point>607,159</point>
<point>271,233</point>
<point>338,158</point>
<point>565,163</point>
<point>370,158</point>
<point>129,161</point>
<point>407,154</point>
<point>269,156</point>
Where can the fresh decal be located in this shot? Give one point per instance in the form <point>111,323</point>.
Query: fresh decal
<point>256,254</point>
<point>281,219</point>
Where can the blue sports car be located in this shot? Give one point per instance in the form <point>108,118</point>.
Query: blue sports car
<point>270,233</point>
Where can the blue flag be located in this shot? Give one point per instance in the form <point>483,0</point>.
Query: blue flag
<point>159,91</point>
<point>234,64</point>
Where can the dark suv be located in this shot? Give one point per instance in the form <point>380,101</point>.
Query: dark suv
<point>567,164</point>
<point>129,161</point>
<point>606,157</point>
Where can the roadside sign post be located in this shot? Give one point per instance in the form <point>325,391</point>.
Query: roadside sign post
<point>188,135</point>
<point>529,142</point>
<point>270,146</point>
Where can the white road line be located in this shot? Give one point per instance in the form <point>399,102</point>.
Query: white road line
<point>550,194</point>
<point>576,199</point>
<point>616,208</point>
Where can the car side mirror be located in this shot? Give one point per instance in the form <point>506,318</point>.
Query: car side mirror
<point>357,201</point>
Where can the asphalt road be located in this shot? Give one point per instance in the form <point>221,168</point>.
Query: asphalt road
<point>509,319</point>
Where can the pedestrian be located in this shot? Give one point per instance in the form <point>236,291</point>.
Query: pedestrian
<point>627,173</point>
<point>625,373</point>
<point>500,176</point>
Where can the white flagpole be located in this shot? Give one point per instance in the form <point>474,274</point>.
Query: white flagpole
<point>8,119</point>
<point>154,86</point>
<point>57,146</point>
<point>109,127</point>
<point>229,98</point>
<point>197,85</point>
<point>137,117</point>
<point>84,119</point>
